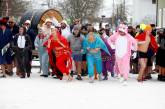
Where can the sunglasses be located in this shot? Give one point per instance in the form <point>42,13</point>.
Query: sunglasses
<point>11,22</point>
<point>27,24</point>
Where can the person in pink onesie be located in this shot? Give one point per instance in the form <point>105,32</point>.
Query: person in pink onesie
<point>124,43</point>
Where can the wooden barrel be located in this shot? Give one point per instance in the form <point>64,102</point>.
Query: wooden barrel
<point>39,16</point>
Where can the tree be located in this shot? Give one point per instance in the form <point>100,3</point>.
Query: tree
<point>120,12</point>
<point>83,9</point>
<point>0,2</point>
<point>13,7</point>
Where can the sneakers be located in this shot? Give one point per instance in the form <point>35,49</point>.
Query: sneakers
<point>44,75</point>
<point>84,73</point>
<point>100,77</point>
<point>71,73</point>
<point>148,77</point>
<point>91,80</point>
<point>161,78</point>
<point>10,73</point>
<point>3,76</point>
<point>79,77</point>
<point>118,76</point>
<point>22,76</point>
<point>121,79</point>
<point>105,78</point>
<point>112,74</point>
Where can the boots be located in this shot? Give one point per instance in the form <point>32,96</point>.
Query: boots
<point>28,75</point>
<point>161,78</point>
<point>22,75</point>
<point>105,77</point>
<point>79,77</point>
<point>84,73</point>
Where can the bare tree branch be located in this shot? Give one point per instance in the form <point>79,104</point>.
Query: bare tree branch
<point>16,7</point>
<point>80,8</point>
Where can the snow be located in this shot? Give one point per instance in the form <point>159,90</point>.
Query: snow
<point>48,93</point>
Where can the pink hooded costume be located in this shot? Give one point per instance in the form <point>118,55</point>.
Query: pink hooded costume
<point>123,46</point>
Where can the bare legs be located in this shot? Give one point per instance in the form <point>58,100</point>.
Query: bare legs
<point>143,64</point>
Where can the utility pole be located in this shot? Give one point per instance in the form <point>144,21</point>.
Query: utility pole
<point>49,3</point>
<point>157,5</point>
<point>113,13</point>
<point>124,11</point>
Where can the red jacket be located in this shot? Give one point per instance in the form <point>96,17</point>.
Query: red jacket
<point>153,44</point>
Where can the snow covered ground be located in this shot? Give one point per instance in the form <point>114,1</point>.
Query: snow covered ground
<point>49,93</point>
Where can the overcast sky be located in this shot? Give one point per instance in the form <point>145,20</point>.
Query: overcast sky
<point>106,9</point>
<point>108,6</point>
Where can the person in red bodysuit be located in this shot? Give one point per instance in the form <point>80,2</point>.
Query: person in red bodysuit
<point>58,46</point>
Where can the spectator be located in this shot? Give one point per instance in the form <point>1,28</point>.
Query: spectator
<point>22,46</point>
<point>5,53</point>
<point>160,57</point>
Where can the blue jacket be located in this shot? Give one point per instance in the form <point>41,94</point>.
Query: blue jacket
<point>4,40</point>
<point>98,43</point>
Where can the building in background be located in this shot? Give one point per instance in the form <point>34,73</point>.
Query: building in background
<point>143,11</point>
<point>161,13</point>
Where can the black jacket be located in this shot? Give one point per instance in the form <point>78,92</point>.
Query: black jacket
<point>28,43</point>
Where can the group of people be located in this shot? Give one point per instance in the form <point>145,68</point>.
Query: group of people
<point>16,47</point>
<point>67,50</point>
<point>150,57</point>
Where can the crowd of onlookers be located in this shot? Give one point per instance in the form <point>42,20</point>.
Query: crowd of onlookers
<point>79,49</point>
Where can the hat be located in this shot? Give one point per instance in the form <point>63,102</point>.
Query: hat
<point>55,22</point>
<point>142,26</point>
<point>148,28</point>
<point>3,22</point>
<point>48,20</point>
<point>6,18</point>
<point>65,22</point>
<point>27,22</point>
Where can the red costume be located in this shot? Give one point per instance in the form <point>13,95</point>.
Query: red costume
<point>59,54</point>
<point>153,45</point>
